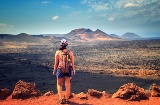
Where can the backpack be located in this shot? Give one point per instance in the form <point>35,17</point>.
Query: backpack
<point>64,61</point>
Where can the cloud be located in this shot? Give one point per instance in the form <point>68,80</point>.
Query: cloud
<point>75,13</point>
<point>104,4</point>
<point>87,1</point>
<point>130,5</point>
<point>128,10</point>
<point>100,6</point>
<point>95,5</point>
<point>4,28</point>
<point>65,6</point>
<point>45,2</point>
<point>111,18</point>
<point>4,25</point>
<point>55,17</point>
<point>139,9</point>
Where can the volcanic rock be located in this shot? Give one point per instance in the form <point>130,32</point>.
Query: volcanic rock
<point>23,90</point>
<point>4,93</point>
<point>155,91</point>
<point>95,93</point>
<point>82,96</point>
<point>48,93</point>
<point>130,92</point>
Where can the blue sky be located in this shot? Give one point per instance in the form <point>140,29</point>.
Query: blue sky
<point>61,16</point>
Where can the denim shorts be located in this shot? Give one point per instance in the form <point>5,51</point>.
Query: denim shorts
<point>62,75</point>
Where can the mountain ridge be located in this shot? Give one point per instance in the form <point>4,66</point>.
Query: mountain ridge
<point>83,34</point>
<point>80,34</point>
<point>130,36</point>
<point>22,37</point>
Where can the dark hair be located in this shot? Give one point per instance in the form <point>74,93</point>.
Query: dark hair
<point>62,47</point>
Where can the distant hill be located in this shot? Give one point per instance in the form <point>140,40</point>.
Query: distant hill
<point>55,35</point>
<point>22,37</point>
<point>80,34</point>
<point>151,38</point>
<point>114,35</point>
<point>130,36</point>
<point>83,34</point>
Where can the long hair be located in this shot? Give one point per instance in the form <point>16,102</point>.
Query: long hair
<point>62,47</point>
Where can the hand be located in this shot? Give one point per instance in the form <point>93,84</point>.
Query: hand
<point>73,72</point>
<point>54,72</point>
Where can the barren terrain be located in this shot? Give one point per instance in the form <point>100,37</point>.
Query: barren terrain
<point>99,65</point>
<point>53,100</point>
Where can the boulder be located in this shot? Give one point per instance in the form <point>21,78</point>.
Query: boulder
<point>49,93</point>
<point>155,91</point>
<point>82,96</point>
<point>23,90</point>
<point>95,93</point>
<point>4,93</point>
<point>130,92</point>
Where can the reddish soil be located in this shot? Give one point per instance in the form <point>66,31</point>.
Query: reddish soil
<point>53,100</point>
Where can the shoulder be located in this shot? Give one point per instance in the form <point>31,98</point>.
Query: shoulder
<point>57,52</point>
<point>70,53</point>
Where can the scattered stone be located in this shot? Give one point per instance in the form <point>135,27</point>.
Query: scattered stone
<point>82,96</point>
<point>71,95</point>
<point>155,91</point>
<point>105,94</point>
<point>131,92</point>
<point>4,93</point>
<point>148,93</point>
<point>23,90</point>
<point>95,93</point>
<point>49,93</point>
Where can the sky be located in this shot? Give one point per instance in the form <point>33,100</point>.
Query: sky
<point>62,16</point>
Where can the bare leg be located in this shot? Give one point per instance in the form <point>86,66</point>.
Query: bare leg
<point>59,87</point>
<point>68,87</point>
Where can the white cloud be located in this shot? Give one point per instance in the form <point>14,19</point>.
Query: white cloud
<point>4,28</point>
<point>87,1</point>
<point>75,13</point>
<point>65,6</point>
<point>124,9</point>
<point>55,17</point>
<point>4,25</point>
<point>116,3</point>
<point>130,5</point>
<point>95,5</point>
<point>100,6</point>
<point>111,18</point>
<point>45,2</point>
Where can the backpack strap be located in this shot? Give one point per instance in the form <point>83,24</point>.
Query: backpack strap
<point>66,52</point>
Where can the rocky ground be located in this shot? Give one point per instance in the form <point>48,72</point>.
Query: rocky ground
<point>109,63</point>
<point>53,100</point>
<point>101,66</point>
<point>128,94</point>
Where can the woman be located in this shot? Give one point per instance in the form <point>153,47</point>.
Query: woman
<point>61,76</point>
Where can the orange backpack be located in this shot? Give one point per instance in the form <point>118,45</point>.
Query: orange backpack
<point>64,61</point>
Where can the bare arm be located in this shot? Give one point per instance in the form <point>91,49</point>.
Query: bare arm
<point>72,61</point>
<point>56,61</point>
